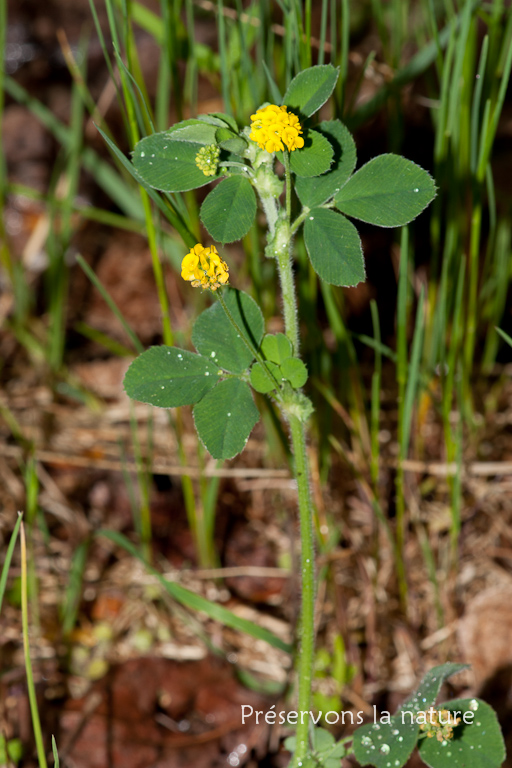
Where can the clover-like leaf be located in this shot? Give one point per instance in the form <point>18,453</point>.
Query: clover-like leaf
<point>311,88</point>
<point>225,417</point>
<point>312,192</point>
<point>168,377</point>
<point>214,336</point>
<point>334,247</point>
<point>169,165</point>
<point>477,740</point>
<point>229,210</point>
<point>276,347</point>
<point>389,191</point>
<point>314,158</point>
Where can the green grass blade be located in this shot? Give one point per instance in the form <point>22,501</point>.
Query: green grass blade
<point>224,68</point>
<point>8,558</point>
<point>419,63</point>
<point>412,377</point>
<point>323,31</point>
<point>477,99</point>
<point>375,399</point>
<point>55,753</point>
<point>505,336</point>
<point>36,723</point>
<point>110,302</point>
<point>74,588</point>
<point>105,176</point>
<point>198,603</point>
<point>504,75</point>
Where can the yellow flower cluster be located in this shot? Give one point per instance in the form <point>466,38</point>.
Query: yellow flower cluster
<point>439,724</point>
<point>205,268</point>
<point>274,126</point>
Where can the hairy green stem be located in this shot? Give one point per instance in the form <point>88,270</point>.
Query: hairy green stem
<point>269,205</point>
<point>284,243</point>
<point>307,619</point>
<point>285,269</point>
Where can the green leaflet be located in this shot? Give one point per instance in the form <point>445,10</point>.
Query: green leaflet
<point>193,130</point>
<point>224,418</point>
<point>168,377</point>
<point>229,210</point>
<point>312,192</point>
<point>389,191</point>
<point>276,347</point>
<point>169,165</point>
<point>334,247</point>
<point>428,690</point>
<point>230,141</point>
<point>294,371</point>
<point>311,88</point>
<point>314,158</point>
<point>214,337</point>
<point>260,381</point>
<point>383,743</point>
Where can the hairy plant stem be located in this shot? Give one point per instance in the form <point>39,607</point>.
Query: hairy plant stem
<point>269,205</point>
<point>307,619</point>
<point>298,440</point>
<point>285,270</point>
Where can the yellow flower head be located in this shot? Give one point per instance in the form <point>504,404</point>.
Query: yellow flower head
<point>204,268</point>
<point>273,127</point>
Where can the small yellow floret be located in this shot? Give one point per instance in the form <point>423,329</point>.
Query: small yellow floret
<point>274,127</point>
<point>204,268</point>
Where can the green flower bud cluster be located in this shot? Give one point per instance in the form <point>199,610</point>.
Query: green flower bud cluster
<point>207,159</point>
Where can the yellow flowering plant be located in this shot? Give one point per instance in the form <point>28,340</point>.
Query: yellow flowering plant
<point>313,190</point>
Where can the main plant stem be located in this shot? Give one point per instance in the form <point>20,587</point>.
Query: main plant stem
<point>307,619</point>
<point>298,439</point>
